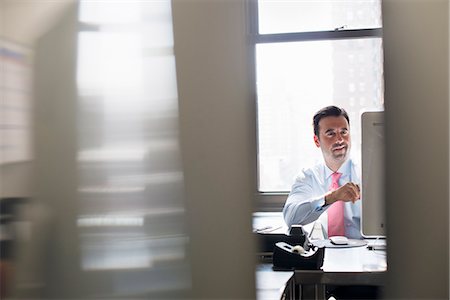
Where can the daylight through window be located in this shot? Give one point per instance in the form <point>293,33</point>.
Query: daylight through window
<point>310,54</point>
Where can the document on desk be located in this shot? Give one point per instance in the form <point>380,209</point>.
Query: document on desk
<point>266,229</point>
<point>265,222</point>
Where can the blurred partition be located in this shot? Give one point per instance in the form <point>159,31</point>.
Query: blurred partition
<point>217,118</point>
<point>417,147</point>
<point>107,214</point>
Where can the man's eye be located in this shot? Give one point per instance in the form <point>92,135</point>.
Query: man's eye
<point>330,134</point>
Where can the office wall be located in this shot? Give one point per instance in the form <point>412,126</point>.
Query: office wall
<point>416,38</point>
<point>22,22</point>
<point>218,144</point>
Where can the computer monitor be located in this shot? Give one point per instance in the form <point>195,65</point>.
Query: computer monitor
<point>373,165</point>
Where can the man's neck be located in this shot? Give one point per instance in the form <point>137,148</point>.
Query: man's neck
<point>334,166</point>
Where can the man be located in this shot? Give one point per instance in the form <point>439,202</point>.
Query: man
<point>332,187</point>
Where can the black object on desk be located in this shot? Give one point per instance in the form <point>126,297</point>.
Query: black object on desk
<point>268,239</point>
<point>285,257</point>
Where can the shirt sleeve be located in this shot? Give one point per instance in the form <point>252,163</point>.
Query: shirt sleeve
<point>305,203</point>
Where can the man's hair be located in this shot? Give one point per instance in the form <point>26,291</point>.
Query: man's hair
<point>328,111</point>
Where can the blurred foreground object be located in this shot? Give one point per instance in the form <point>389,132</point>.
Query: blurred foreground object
<point>107,213</point>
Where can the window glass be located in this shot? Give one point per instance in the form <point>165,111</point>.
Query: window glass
<point>317,15</point>
<point>296,79</point>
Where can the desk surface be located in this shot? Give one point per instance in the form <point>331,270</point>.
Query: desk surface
<point>342,266</point>
<point>357,259</point>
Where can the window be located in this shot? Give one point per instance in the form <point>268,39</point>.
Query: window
<point>310,54</point>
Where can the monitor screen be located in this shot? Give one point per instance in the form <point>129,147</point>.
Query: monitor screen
<point>372,190</point>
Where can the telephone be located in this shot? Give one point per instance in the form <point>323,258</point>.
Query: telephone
<point>296,236</point>
<point>288,257</point>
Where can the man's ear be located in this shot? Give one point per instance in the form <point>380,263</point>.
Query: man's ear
<point>316,141</point>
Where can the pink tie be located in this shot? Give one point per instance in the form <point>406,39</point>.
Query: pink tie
<point>336,210</point>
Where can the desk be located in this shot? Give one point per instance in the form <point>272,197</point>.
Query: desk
<point>344,266</point>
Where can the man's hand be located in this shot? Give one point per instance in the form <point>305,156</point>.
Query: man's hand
<point>348,192</point>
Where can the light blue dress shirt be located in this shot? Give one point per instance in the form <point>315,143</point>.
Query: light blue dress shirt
<point>305,203</point>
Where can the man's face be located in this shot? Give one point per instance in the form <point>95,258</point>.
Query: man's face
<point>334,140</point>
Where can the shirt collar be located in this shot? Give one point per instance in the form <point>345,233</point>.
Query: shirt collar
<point>344,169</point>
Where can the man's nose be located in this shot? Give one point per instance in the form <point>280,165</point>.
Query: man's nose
<point>339,138</point>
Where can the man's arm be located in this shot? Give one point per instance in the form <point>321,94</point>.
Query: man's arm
<point>305,202</point>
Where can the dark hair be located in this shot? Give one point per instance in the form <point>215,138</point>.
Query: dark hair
<point>328,111</point>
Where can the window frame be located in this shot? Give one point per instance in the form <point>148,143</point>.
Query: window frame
<point>274,201</point>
